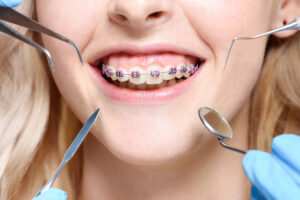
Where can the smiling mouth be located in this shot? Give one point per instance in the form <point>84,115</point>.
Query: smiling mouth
<point>148,71</point>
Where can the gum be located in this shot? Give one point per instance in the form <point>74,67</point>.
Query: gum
<point>127,61</point>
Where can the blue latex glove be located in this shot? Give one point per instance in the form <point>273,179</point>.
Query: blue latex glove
<point>275,176</point>
<point>52,194</point>
<point>10,3</point>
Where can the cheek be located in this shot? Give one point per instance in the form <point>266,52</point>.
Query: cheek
<point>226,20</point>
<point>76,20</point>
<point>219,21</point>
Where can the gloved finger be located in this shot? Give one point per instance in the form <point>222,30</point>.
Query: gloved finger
<point>10,3</point>
<point>269,177</point>
<point>287,148</point>
<point>52,194</point>
<point>255,194</point>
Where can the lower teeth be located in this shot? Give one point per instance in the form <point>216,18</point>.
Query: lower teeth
<point>129,85</point>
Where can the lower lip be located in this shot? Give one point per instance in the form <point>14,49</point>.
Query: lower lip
<point>155,96</point>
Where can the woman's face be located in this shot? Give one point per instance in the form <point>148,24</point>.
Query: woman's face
<point>148,119</point>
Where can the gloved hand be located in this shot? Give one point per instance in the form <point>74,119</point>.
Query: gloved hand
<point>275,176</point>
<point>10,3</point>
<point>52,194</point>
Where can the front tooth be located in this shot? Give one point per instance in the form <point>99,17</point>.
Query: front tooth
<point>154,75</point>
<point>111,72</point>
<point>122,75</point>
<point>169,72</point>
<point>137,75</point>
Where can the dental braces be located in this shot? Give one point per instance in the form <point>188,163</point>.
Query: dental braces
<point>154,73</point>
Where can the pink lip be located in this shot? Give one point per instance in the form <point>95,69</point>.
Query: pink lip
<point>145,97</point>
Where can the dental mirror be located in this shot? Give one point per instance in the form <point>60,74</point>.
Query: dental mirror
<point>217,125</point>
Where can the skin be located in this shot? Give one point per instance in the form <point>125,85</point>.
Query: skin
<point>174,157</point>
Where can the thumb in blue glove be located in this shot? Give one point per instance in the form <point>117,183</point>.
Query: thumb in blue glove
<point>10,3</point>
<point>275,176</point>
<point>52,194</point>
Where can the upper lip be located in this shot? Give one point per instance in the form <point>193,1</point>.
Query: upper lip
<point>144,49</point>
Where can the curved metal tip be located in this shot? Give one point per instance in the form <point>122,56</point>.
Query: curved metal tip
<point>297,20</point>
<point>228,54</point>
<point>77,50</point>
<point>295,24</point>
<point>230,148</point>
<point>48,55</point>
<point>96,113</point>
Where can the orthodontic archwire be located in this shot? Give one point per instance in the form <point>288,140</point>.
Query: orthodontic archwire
<point>13,16</point>
<point>294,25</point>
<point>105,69</point>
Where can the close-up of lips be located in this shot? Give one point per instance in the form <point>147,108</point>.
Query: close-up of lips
<point>149,99</point>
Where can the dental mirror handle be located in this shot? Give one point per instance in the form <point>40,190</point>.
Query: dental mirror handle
<point>230,148</point>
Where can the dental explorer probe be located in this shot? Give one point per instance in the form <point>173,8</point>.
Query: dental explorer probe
<point>12,16</point>
<point>294,25</point>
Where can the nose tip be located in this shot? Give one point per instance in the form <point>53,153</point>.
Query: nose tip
<point>140,14</point>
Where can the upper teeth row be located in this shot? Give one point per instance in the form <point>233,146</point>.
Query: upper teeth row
<point>154,74</point>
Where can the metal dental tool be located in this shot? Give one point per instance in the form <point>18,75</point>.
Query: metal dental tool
<point>12,16</point>
<point>217,125</point>
<point>294,25</point>
<point>213,121</point>
<point>72,149</point>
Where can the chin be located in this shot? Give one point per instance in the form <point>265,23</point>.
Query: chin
<point>150,147</point>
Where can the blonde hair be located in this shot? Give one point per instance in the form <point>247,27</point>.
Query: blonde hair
<point>275,105</point>
<point>33,121</point>
<point>36,126</point>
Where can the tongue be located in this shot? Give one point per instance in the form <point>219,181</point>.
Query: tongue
<point>127,61</point>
